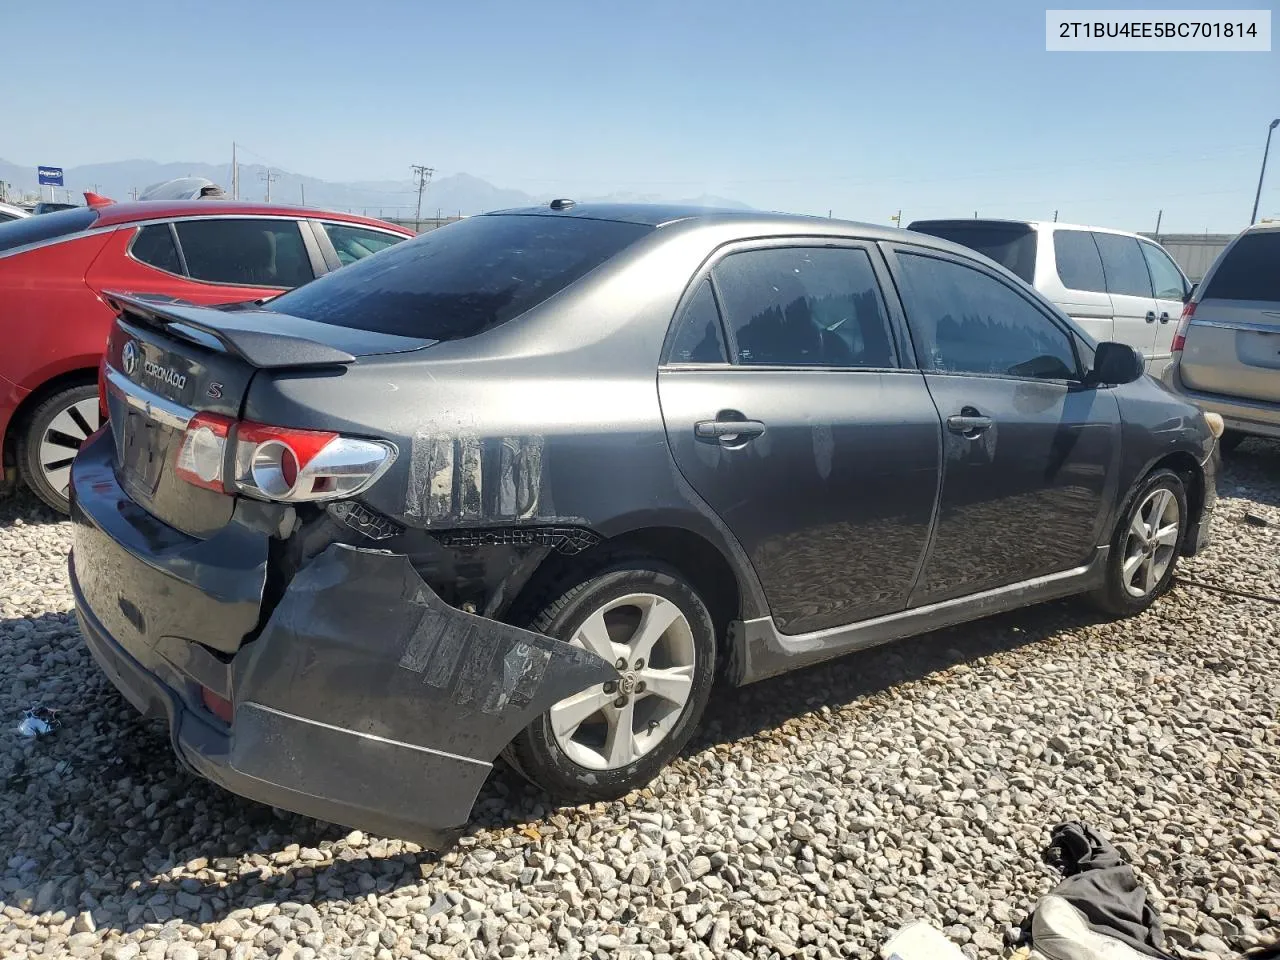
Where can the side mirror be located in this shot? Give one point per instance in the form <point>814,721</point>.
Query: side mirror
<point>1186,297</point>
<point>1115,363</point>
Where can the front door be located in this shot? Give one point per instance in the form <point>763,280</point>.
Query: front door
<point>1129,284</point>
<point>1169,287</point>
<point>1029,452</point>
<point>794,419</point>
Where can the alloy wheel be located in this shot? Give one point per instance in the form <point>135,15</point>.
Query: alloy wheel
<point>1151,541</point>
<point>62,438</point>
<point>608,726</point>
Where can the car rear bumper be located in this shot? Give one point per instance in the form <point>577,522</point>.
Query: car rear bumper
<point>365,700</point>
<point>1257,417</point>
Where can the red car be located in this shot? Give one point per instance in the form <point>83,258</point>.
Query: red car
<point>54,323</point>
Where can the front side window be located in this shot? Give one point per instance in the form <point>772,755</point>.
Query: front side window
<point>257,253</point>
<point>804,306</point>
<point>154,246</point>
<point>1124,265</point>
<point>966,321</point>
<point>356,243</point>
<point>698,336</point>
<point>1166,278</point>
<point>1078,262</point>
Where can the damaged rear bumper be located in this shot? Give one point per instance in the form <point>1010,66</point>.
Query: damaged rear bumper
<point>365,700</point>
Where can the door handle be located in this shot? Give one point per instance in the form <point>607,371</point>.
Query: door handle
<point>968,426</point>
<point>1164,317</point>
<point>728,431</point>
<point>1151,316</point>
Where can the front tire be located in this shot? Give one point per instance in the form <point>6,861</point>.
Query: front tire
<point>53,433</point>
<point>1145,546</point>
<point>604,742</point>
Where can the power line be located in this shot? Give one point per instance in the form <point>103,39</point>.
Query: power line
<point>423,175</point>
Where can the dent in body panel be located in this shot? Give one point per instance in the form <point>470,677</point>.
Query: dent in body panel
<point>459,478</point>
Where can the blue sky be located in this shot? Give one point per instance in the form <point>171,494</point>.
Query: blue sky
<point>936,108</point>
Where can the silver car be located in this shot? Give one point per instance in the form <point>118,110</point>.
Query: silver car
<point>1226,351</point>
<point>9,212</point>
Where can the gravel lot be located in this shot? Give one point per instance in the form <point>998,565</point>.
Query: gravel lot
<point>814,814</point>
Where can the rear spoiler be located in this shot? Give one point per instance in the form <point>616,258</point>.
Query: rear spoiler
<point>260,338</point>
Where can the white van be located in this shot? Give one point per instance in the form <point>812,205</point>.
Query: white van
<point>1117,285</point>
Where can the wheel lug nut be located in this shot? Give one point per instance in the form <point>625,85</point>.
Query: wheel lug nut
<point>621,664</point>
<point>620,702</point>
<point>610,687</point>
<point>640,687</point>
<point>640,664</point>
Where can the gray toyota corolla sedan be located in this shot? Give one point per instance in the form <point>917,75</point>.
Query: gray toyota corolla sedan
<point>525,484</point>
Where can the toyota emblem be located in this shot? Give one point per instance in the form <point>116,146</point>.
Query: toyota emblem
<point>129,358</point>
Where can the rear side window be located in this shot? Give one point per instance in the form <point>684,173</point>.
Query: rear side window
<point>462,279</point>
<point>1124,265</point>
<point>1249,270</point>
<point>1012,245</point>
<point>356,243</point>
<point>154,246</point>
<point>804,306</point>
<point>258,253</point>
<point>698,334</point>
<point>47,226</point>
<point>1166,278</point>
<point>1076,257</point>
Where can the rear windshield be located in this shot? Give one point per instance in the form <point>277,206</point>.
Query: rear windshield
<point>1012,245</point>
<point>462,279</point>
<point>46,226</point>
<point>1250,269</point>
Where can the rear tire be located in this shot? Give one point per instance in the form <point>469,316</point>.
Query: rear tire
<point>50,438</point>
<point>1145,546</point>
<point>587,747</point>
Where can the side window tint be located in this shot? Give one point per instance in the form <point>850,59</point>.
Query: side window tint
<point>964,321</point>
<point>260,253</point>
<point>1166,279</point>
<point>1124,265</point>
<point>154,246</point>
<point>699,337</point>
<point>356,243</point>
<point>804,306</point>
<point>1079,265</point>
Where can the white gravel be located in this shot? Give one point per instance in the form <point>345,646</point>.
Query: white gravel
<point>814,814</point>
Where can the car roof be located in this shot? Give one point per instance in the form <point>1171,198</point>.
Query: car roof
<point>10,208</point>
<point>749,221</point>
<point>114,214</point>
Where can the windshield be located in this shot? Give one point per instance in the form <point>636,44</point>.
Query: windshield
<point>1012,245</point>
<point>49,226</point>
<point>463,279</point>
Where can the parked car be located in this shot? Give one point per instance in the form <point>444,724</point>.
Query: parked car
<point>9,212</point>
<point>54,322</point>
<point>520,484</point>
<point>1226,352</point>
<point>1116,285</point>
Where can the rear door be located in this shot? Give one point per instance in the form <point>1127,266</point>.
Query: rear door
<point>829,482</point>
<point>1029,452</point>
<point>1170,287</point>
<point>1233,339</point>
<point>1133,303</point>
<point>1081,284</point>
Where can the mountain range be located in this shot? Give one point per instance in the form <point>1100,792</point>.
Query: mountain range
<point>456,194</point>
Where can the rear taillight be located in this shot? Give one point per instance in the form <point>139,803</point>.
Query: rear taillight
<point>1180,335</point>
<point>278,463</point>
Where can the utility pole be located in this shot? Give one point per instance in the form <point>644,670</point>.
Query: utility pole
<point>303,188</point>
<point>1055,216</point>
<point>134,193</point>
<point>270,178</point>
<point>1253,217</point>
<point>897,219</point>
<point>423,175</point>
<point>1159,217</point>
<point>235,174</point>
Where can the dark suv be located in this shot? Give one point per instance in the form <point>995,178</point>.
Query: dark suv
<point>523,485</point>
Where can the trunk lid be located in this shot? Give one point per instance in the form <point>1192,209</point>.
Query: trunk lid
<point>167,361</point>
<point>1233,348</point>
